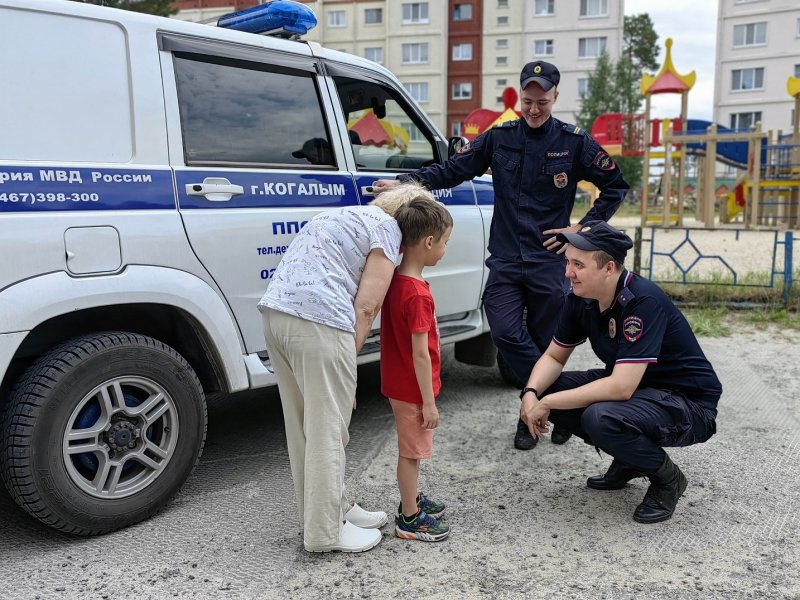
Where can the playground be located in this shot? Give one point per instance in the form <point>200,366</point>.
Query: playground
<point>765,164</point>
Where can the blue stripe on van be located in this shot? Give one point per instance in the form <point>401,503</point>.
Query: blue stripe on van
<point>484,190</point>
<point>50,188</point>
<point>270,190</point>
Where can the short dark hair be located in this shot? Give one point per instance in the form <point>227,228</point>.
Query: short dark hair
<point>603,258</point>
<point>421,217</point>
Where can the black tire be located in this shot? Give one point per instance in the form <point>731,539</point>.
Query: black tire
<point>101,432</point>
<point>507,374</point>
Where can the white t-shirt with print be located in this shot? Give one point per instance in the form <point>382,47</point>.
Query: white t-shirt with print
<point>318,277</point>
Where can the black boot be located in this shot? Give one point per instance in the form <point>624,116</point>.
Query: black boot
<point>523,440</point>
<point>616,478</point>
<point>666,486</point>
<point>560,435</point>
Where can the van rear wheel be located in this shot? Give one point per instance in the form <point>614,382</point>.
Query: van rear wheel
<point>101,432</point>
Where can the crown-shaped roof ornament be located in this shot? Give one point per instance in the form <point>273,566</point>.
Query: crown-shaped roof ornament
<point>668,80</point>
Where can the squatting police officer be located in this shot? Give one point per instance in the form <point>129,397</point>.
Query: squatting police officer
<point>536,163</point>
<point>657,388</point>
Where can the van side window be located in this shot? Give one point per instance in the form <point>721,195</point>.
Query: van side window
<point>236,113</point>
<point>384,132</point>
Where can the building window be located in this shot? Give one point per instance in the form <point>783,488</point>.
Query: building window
<point>797,71</point>
<point>415,54</point>
<point>745,120</point>
<point>591,47</point>
<point>462,91</point>
<point>462,12</point>
<point>502,20</point>
<point>418,91</point>
<point>374,54</point>
<point>455,128</point>
<point>502,44</point>
<point>583,87</point>
<point>798,28</point>
<point>502,61</point>
<point>747,79</point>
<point>502,82</point>
<point>543,48</point>
<point>414,134</point>
<point>337,18</point>
<point>373,16</point>
<point>502,3</point>
<point>751,34</point>
<point>415,12</point>
<point>543,8</point>
<point>462,52</point>
<point>594,8</point>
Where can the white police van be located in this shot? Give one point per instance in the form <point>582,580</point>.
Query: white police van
<point>152,172</point>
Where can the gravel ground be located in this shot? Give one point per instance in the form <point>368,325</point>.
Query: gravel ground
<point>524,524</point>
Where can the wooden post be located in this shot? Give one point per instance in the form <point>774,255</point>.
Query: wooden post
<point>682,158</point>
<point>645,162</point>
<point>710,177</point>
<point>666,181</point>
<point>755,195</point>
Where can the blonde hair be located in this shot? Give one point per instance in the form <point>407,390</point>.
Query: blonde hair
<point>391,200</point>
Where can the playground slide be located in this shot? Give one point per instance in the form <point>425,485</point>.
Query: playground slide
<point>730,153</point>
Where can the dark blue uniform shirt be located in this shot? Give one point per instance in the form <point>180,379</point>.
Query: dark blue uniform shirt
<point>642,326</point>
<point>535,173</point>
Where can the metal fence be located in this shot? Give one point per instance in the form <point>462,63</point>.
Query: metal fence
<point>722,257</point>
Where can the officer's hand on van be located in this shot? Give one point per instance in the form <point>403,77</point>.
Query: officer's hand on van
<point>382,185</point>
<point>552,243</point>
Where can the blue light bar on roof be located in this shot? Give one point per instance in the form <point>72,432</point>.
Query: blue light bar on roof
<point>272,17</point>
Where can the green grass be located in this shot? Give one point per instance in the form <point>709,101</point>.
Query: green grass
<point>714,308</point>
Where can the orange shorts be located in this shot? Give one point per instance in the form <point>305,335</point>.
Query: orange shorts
<point>413,440</point>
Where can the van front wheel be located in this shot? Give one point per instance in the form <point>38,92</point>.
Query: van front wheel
<point>101,432</point>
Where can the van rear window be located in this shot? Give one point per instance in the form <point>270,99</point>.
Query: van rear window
<point>239,113</point>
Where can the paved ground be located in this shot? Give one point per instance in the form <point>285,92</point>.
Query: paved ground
<point>524,524</point>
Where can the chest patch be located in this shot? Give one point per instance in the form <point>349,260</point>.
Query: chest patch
<point>632,328</point>
<point>558,154</point>
<point>560,180</point>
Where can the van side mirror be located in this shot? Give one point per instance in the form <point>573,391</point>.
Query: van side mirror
<point>455,145</point>
<point>378,108</point>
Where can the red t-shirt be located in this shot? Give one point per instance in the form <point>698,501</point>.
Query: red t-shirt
<point>408,308</point>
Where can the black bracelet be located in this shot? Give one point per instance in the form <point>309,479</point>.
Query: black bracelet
<point>528,389</point>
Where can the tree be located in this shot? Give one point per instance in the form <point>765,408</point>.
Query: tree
<point>640,42</point>
<point>162,8</point>
<point>613,87</point>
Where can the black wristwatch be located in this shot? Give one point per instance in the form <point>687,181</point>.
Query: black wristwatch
<point>528,389</point>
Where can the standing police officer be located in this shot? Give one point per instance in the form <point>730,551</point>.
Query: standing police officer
<point>536,163</point>
<point>657,388</point>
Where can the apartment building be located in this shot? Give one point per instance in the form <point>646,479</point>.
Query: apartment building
<point>454,56</point>
<point>758,49</point>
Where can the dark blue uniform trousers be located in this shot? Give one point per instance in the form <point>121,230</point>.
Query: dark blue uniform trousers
<point>634,431</point>
<point>513,287</point>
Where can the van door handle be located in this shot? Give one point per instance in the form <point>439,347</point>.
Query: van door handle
<point>216,189</point>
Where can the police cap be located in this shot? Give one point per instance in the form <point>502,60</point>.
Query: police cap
<point>543,73</point>
<point>599,235</point>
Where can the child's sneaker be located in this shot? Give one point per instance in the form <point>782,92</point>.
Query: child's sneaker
<point>429,506</point>
<point>424,527</point>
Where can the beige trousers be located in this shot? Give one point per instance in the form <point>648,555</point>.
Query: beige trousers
<point>316,370</point>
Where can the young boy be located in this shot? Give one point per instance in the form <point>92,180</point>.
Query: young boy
<point>410,361</point>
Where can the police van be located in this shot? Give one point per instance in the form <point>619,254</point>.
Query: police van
<point>152,173</point>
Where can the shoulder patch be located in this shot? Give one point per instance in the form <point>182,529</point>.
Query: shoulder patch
<point>603,161</point>
<point>573,129</point>
<point>632,328</point>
